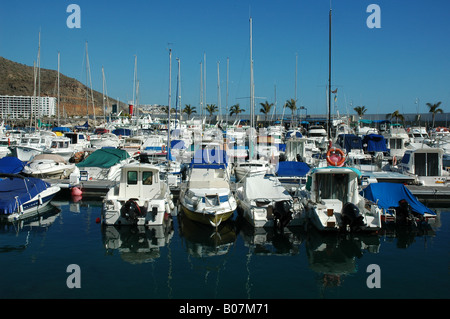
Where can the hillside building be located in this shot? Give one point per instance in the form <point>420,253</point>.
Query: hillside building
<point>20,107</point>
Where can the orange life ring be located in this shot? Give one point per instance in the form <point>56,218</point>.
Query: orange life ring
<point>332,161</point>
<point>163,148</point>
<point>88,137</point>
<point>394,161</point>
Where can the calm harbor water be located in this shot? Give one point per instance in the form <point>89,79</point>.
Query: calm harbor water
<point>186,260</point>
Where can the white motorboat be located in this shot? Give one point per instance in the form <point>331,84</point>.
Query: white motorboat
<point>104,140</point>
<point>61,146</point>
<point>264,202</point>
<point>23,197</point>
<point>49,166</point>
<point>426,165</point>
<point>334,202</point>
<point>206,195</point>
<point>30,146</point>
<point>254,167</point>
<point>140,198</point>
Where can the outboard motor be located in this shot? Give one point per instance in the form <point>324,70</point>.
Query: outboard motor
<point>283,215</point>
<point>403,213</point>
<point>351,219</point>
<point>132,211</point>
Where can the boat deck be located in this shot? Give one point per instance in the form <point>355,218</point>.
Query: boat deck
<point>89,188</point>
<point>431,194</point>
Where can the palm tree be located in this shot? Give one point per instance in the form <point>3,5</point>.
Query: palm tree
<point>434,108</point>
<point>235,109</point>
<point>211,108</point>
<point>265,109</point>
<point>188,109</point>
<point>396,114</point>
<point>361,110</point>
<point>291,104</point>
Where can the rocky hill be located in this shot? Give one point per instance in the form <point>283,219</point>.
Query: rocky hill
<point>18,79</point>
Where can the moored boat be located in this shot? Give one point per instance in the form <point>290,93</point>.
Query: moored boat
<point>22,197</point>
<point>140,198</point>
<point>334,202</point>
<point>206,196</point>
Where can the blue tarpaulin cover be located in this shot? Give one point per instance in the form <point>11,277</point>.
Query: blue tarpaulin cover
<point>350,142</point>
<point>389,194</point>
<point>122,131</point>
<point>61,129</point>
<point>11,165</point>
<point>211,156</point>
<point>22,188</point>
<point>291,168</point>
<point>375,143</point>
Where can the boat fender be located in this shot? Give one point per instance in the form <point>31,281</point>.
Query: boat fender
<point>394,161</point>
<point>351,218</point>
<point>167,207</point>
<point>171,205</point>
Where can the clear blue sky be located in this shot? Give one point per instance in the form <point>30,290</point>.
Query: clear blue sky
<point>384,69</point>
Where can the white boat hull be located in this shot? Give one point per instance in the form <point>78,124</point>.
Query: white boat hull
<point>34,206</point>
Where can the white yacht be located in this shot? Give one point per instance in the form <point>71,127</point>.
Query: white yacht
<point>334,202</point>
<point>140,198</point>
<point>265,202</point>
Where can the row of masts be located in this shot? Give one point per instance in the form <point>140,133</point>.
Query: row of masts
<point>178,100</point>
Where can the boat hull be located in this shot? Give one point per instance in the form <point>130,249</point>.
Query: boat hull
<point>34,206</point>
<point>211,217</point>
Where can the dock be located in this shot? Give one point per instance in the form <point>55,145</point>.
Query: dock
<point>431,194</point>
<point>90,188</point>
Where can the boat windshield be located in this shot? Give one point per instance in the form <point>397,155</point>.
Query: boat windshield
<point>332,186</point>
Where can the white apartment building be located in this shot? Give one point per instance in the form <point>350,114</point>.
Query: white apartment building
<point>20,107</point>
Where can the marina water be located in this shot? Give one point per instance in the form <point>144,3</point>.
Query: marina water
<point>188,260</point>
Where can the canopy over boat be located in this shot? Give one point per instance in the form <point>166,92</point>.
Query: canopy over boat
<point>291,168</point>
<point>375,143</point>
<point>260,187</point>
<point>350,142</point>
<point>11,165</point>
<point>104,158</point>
<point>16,190</point>
<point>54,157</point>
<point>210,156</point>
<point>387,195</point>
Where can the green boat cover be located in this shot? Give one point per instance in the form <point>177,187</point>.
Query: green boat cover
<point>104,158</point>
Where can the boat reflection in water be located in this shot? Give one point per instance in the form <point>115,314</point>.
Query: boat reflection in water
<point>202,240</point>
<point>137,244</point>
<point>334,256</point>
<point>269,240</point>
<point>39,223</point>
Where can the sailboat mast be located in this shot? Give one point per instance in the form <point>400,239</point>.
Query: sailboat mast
<point>87,91</point>
<point>252,93</point>
<point>39,78</point>
<point>170,101</point>
<point>329,80</point>
<point>58,92</point>
<point>226,100</point>
<point>103,94</point>
<point>218,92</point>
<point>201,90</point>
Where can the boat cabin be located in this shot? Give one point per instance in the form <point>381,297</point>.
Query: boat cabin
<point>426,164</point>
<point>334,185</point>
<point>139,180</point>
